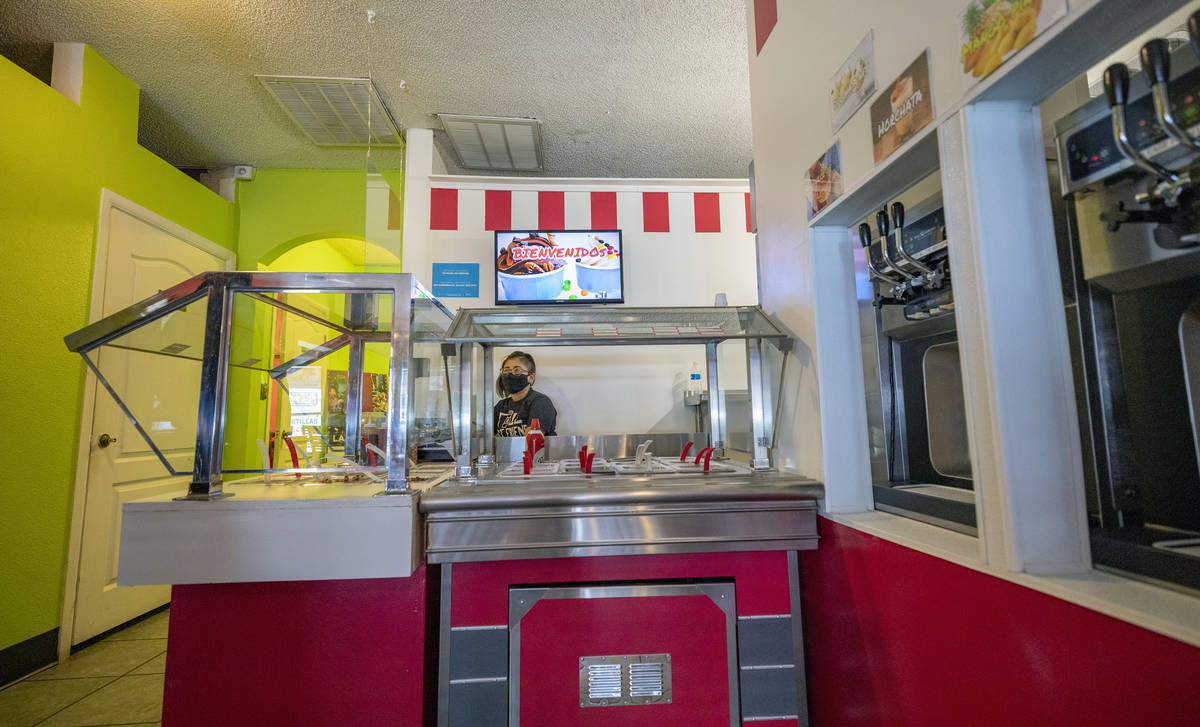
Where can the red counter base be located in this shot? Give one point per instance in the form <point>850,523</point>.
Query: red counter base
<point>582,609</point>
<point>366,652</point>
<point>304,653</point>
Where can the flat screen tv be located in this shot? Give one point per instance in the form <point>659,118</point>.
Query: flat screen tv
<point>559,266</point>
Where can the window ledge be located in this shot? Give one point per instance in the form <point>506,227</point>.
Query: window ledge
<point>1152,607</point>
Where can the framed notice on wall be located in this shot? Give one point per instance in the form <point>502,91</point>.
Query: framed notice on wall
<point>904,108</point>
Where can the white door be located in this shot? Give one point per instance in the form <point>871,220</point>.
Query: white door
<point>160,389</point>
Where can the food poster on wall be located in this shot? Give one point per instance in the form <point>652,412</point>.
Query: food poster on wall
<point>992,30</point>
<point>823,180</point>
<point>335,407</point>
<point>904,108</point>
<point>853,83</point>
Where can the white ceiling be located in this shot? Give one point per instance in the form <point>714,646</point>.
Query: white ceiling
<point>624,88</point>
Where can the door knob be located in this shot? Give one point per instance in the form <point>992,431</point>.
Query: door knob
<point>105,440</point>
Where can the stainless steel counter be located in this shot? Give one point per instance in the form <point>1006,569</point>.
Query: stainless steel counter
<point>619,515</point>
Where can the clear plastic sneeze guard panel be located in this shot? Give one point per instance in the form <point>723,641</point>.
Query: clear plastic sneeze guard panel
<point>551,325</point>
<point>745,355</point>
<point>288,377</point>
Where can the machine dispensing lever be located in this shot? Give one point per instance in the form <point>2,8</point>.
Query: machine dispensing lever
<point>881,222</point>
<point>898,224</point>
<point>1116,88</point>
<point>864,237</point>
<point>1156,62</point>
<point>1193,25</point>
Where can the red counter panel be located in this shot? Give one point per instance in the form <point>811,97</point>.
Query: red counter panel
<point>898,638</point>
<point>297,653</point>
<point>481,589</point>
<point>556,632</point>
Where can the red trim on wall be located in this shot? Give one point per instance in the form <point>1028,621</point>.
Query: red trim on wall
<point>443,209</point>
<point>604,210</point>
<point>480,590</point>
<point>550,211</point>
<point>895,637</point>
<point>299,652</point>
<point>708,211</point>
<point>656,214</point>
<point>749,217</point>
<point>497,209</point>
<point>765,16</point>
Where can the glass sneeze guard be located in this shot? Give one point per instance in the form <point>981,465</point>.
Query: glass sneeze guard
<point>312,361</point>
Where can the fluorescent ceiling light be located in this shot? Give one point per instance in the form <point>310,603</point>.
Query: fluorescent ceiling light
<point>495,142</point>
<point>335,111</point>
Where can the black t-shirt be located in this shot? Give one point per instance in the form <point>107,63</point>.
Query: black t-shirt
<point>511,418</point>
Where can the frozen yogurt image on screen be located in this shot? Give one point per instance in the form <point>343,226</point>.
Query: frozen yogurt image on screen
<point>527,269</point>
<point>581,267</point>
<point>599,270</point>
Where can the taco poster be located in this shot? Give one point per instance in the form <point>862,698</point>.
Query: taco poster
<point>904,108</point>
<point>992,30</point>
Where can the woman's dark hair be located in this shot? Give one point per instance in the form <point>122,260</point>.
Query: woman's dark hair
<point>526,360</point>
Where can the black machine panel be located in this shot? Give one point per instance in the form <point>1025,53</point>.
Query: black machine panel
<point>1093,148</point>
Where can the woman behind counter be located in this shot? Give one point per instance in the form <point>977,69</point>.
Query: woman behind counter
<point>513,414</point>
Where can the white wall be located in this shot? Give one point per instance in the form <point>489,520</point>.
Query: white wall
<point>791,128</point>
<point>600,389</point>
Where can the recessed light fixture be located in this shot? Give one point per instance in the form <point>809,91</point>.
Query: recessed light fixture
<point>495,142</point>
<point>335,111</point>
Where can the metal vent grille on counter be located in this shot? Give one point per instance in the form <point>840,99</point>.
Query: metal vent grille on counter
<point>336,111</point>
<point>629,679</point>
<point>604,681</point>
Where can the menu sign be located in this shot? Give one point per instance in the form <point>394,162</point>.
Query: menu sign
<point>992,30</point>
<point>854,82</point>
<point>904,108</point>
<point>823,180</point>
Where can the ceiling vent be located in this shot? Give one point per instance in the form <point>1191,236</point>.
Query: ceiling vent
<point>494,142</point>
<point>335,111</point>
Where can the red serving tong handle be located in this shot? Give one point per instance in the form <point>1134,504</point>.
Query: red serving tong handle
<point>590,458</point>
<point>708,457</point>
<point>527,461</point>
<point>295,457</point>
<point>583,458</point>
<point>701,453</point>
<point>686,448</point>
<point>370,454</point>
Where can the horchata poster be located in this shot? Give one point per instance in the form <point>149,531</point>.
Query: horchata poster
<point>993,30</point>
<point>904,108</point>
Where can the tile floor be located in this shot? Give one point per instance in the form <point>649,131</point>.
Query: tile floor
<point>115,681</point>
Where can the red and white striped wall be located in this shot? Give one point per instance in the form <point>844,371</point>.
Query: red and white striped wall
<point>474,209</point>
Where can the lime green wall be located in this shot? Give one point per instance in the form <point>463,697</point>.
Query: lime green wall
<point>55,156</point>
<point>283,208</point>
<point>289,206</point>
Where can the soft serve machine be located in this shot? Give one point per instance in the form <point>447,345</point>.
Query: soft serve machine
<point>1127,170</point>
<point>922,464</point>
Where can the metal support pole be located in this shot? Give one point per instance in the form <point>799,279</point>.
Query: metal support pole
<point>761,440</point>
<point>716,405</point>
<point>489,401</point>
<point>399,387</point>
<point>210,419</point>
<point>354,384</point>
<point>465,401</point>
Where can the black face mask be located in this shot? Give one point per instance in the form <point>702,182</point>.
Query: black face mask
<point>514,382</point>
